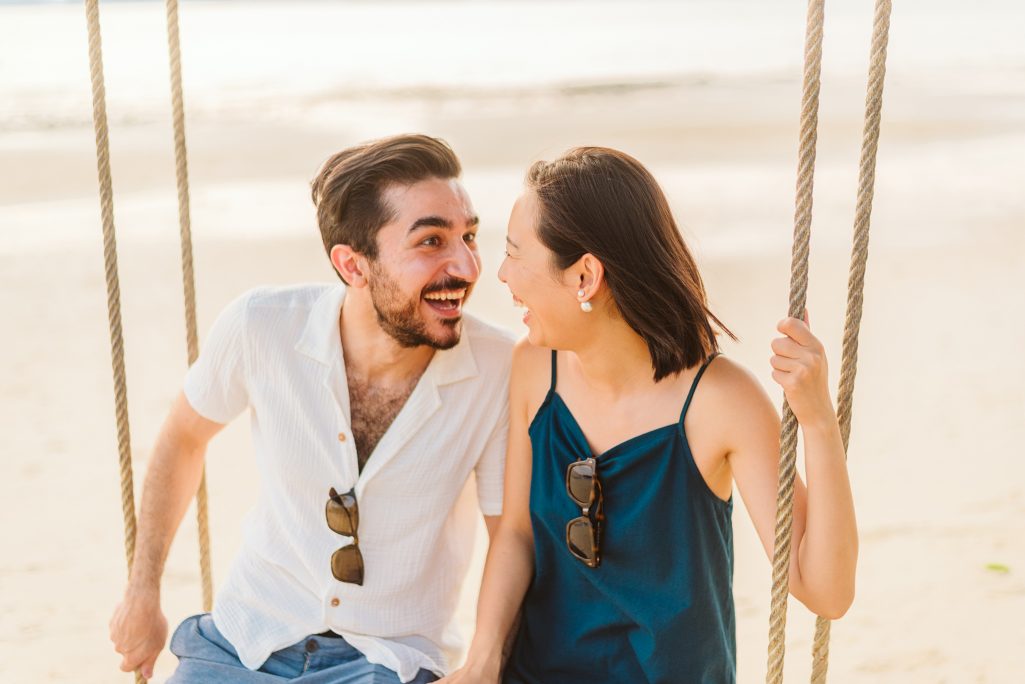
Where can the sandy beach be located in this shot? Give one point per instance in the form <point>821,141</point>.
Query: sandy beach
<point>939,418</point>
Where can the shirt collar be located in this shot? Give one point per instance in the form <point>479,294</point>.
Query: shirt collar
<point>320,337</point>
<point>320,341</point>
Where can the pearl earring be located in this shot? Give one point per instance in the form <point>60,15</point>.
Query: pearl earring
<point>584,306</point>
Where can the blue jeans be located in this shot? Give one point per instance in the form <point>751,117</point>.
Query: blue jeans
<point>206,657</point>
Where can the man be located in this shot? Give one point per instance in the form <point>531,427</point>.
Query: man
<point>371,404</point>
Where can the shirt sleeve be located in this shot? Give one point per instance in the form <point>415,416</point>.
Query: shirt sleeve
<point>490,469</point>
<point>216,384</point>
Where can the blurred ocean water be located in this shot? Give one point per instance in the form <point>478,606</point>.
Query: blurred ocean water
<point>267,53</point>
<point>363,66</point>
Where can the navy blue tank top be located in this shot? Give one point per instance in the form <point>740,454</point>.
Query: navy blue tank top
<point>659,608</point>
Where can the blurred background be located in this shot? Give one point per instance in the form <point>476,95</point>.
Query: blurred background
<point>704,92</point>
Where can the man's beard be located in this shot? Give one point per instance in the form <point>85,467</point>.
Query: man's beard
<point>403,320</point>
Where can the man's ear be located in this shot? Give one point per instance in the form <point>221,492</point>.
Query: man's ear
<point>350,265</point>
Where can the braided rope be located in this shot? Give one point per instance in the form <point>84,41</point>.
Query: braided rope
<point>188,279</point>
<point>798,296</point>
<point>117,347</point>
<point>856,280</point>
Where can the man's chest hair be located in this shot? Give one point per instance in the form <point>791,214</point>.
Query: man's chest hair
<point>372,410</point>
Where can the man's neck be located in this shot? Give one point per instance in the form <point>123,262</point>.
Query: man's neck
<point>371,353</point>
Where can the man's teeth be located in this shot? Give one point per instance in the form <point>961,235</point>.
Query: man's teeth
<point>449,294</point>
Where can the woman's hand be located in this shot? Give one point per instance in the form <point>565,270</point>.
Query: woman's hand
<point>472,674</point>
<point>799,366</point>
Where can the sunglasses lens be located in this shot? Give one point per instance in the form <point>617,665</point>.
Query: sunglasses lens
<point>580,482</point>
<point>580,538</point>
<point>343,514</point>
<point>347,565</point>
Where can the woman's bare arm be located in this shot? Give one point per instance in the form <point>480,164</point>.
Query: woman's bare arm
<point>824,546</point>
<point>510,563</point>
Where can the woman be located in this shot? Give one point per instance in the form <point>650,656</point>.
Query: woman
<point>627,432</point>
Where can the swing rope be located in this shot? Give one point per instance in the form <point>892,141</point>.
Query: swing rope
<point>855,301</point>
<point>856,279</point>
<point>188,279</point>
<point>798,297</point>
<point>100,127</point>
<point>117,347</point>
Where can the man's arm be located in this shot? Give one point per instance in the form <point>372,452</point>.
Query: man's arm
<point>138,627</point>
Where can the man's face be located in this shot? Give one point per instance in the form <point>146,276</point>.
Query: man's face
<point>427,263</point>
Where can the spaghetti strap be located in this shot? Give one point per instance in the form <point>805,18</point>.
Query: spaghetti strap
<point>694,386</point>
<point>554,372</point>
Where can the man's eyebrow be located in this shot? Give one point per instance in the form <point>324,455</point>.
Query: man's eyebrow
<point>439,222</point>
<point>432,221</point>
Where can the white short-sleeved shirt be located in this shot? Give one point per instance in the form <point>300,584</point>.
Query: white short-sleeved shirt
<point>277,351</point>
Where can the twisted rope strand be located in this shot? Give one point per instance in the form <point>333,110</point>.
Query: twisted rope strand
<point>188,278</point>
<point>117,347</point>
<point>856,280</point>
<point>798,296</point>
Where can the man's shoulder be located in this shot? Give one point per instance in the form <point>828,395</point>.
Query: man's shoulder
<point>300,296</point>
<point>269,316</point>
<point>492,346</point>
<point>486,334</point>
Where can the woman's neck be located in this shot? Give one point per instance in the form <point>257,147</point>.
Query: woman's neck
<point>616,361</point>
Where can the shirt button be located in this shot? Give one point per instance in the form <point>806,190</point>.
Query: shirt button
<point>341,436</point>
<point>312,646</point>
<point>335,602</point>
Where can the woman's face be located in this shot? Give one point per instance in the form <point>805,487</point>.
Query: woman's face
<point>552,311</point>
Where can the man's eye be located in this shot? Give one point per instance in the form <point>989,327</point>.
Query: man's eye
<point>431,242</point>
<point>470,237</point>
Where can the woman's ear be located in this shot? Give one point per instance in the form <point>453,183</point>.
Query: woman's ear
<point>590,275</point>
<point>349,264</point>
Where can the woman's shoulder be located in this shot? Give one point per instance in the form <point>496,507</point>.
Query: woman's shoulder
<point>730,409</point>
<point>530,377</point>
<point>531,365</point>
<point>729,386</point>
<point>727,373</point>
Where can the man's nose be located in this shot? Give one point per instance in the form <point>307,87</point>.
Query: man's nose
<point>465,263</point>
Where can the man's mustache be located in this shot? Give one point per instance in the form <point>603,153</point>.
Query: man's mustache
<point>448,284</point>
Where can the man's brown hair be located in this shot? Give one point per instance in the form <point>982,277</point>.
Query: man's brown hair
<point>347,189</point>
<point>604,202</point>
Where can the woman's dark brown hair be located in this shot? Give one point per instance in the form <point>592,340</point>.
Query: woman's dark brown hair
<point>347,189</point>
<point>604,202</point>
